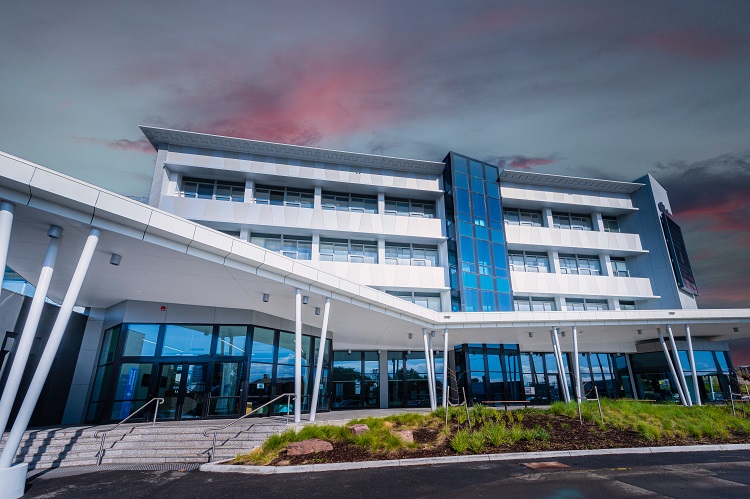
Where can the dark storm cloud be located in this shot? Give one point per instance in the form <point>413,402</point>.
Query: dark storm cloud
<point>519,162</point>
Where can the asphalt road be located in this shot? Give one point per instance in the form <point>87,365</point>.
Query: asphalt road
<point>699,475</point>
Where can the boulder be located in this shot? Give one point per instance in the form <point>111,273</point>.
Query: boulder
<point>358,429</point>
<point>309,446</point>
<point>407,436</point>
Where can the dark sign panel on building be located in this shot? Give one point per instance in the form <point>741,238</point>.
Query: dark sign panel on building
<point>678,253</point>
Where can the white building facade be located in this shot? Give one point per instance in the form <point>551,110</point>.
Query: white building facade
<point>359,281</point>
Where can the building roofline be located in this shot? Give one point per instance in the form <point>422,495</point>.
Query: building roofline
<point>157,136</point>
<point>589,184</point>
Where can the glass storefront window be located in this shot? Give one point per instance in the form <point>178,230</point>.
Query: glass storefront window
<point>262,345</point>
<point>109,345</point>
<point>187,340</point>
<point>140,340</point>
<point>231,340</point>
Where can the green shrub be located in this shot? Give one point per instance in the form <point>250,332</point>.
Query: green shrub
<point>460,441</point>
<point>496,434</point>
<point>476,441</point>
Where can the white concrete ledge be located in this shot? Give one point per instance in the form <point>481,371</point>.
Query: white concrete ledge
<point>222,467</point>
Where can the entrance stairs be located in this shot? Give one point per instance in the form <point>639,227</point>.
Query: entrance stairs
<point>164,443</point>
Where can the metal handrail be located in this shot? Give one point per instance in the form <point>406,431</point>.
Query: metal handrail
<point>289,397</point>
<point>100,454</point>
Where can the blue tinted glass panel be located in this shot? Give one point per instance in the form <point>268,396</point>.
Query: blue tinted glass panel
<point>467,249</point>
<point>454,279</point>
<point>496,213</point>
<point>187,340</point>
<point>501,272</point>
<point>483,255</point>
<point>485,283</point>
<point>471,300</point>
<point>464,217</point>
<point>462,181</point>
<point>470,279</point>
<point>490,172</point>
<point>477,185</point>
<point>459,164</point>
<point>141,339</point>
<point>469,267</point>
<point>493,189</point>
<point>497,236</point>
<point>504,302</point>
<point>462,201</point>
<point>262,345</point>
<point>488,301</point>
<point>475,169</point>
<point>498,251</point>
<point>464,229</point>
<point>502,285</point>
<point>482,232</point>
<point>479,210</point>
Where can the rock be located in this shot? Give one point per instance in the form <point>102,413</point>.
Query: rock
<point>358,429</point>
<point>309,446</point>
<point>407,436</point>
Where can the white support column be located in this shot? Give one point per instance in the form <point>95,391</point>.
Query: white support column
<point>554,261</point>
<point>633,385</point>
<point>381,203</point>
<point>598,222</point>
<point>381,251</point>
<point>249,191</point>
<point>576,365</point>
<point>297,355</point>
<point>50,350</point>
<point>678,366</point>
<point>691,359</point>
<point>548,222</point>
<point>606,263</point>
<point>434,374</point>
<point>430,386</point>
<point>26,341</point>
<point>319,366</point>
<point>315,249</point>
<point>6,222</point>
<point>318,198</point>
<point>445,368</point>
<point>671,366</point>
<point>560,367</point>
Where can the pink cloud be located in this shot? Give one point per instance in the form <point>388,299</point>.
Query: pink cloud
<point>687,43</point>
<point>522,162</point>
<point>141,145</point>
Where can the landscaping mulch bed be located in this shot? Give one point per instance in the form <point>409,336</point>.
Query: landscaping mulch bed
<point>565,434</point>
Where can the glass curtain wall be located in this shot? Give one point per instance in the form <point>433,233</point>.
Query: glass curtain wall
<point>490,373</point>
<point>356,380</point>
<point>478,261</point>
<point>408,380</point>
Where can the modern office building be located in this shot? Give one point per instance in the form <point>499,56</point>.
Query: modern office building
<point>256,268</point>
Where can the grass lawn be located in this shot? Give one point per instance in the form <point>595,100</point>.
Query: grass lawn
<point>626,423</point>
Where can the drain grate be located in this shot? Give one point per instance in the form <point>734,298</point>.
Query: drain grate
<point>546,465</point>
<point>78,470</point>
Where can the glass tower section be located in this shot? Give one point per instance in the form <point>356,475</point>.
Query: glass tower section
<point>477,255</point>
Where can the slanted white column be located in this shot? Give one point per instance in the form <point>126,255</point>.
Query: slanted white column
<point>434,374</point>
<point>297,355</point>
<point>598,222</point>
<point>691,359</point>
<point>548,221</point>
<point>678,363</point>
<point>430,386</point>
<point>560,368</point>
<point>50,350</point>
<point>671,366</point>
<point>381,251</point>
<point>26,341</point>
<point>606,264</point>
<point>633,385</point>
<point>315,248</point>
<point>381,203</point>
<point>318,198</point>
<point>576,365</point>
<point>249,191</point>
<point>445,368</point>
<point>319,366</point>
<point>6,222</point>
<point>554,261</point>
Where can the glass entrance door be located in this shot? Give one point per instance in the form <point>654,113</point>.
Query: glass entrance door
<point>183,388</point>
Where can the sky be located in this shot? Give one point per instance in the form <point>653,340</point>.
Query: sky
<point>589,88</point>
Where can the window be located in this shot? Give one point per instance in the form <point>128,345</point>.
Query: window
<point>571,221</point>
<point>619,267</point>
<point>526,261</point>
<point>409,208</point>
<point>349,202</point>
<point>516,216</point>
<point>213,189</point>
<point>577,264</point>
<point>426,300</point>
<point>282,196</point>
<point>528,304</point>
<point>344,250</point>
<point>411,254</point>
<point>581,304</point>
<point>627,305</point>
<point>610,224</point>
<point>299,248</point>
